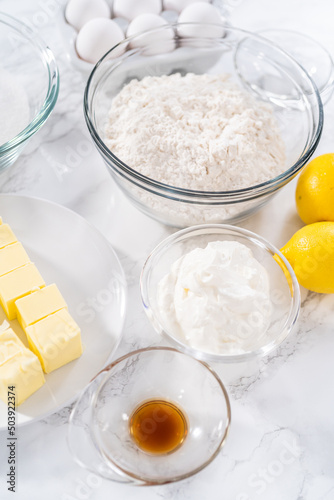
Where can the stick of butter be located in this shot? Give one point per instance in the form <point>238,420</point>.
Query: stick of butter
<point>38,305</point>
<point>12,257</point>
<point>56,340</point>
<point>7,237</point>
<point>10,345</point>
<point>19,368</point>
<point>17,284</point>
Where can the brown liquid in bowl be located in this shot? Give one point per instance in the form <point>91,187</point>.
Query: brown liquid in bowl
<point>158,427</point>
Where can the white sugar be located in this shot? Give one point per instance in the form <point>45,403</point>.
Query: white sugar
<point>14,107</point>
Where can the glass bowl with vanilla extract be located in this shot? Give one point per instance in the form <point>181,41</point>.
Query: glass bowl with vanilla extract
<point>154,416</point>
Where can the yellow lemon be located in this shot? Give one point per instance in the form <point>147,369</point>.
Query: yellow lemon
<point>310,252</point>
<point>315,190</point>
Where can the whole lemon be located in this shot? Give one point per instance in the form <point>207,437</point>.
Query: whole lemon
<point>310,252</point>
<point>315,190</point>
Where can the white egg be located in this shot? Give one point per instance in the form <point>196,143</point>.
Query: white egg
<point>79,12</point>
<point>179,5</point>
<point>97,37</point>
<point>133,8</point>
<point>200,12</point>
<point>158,42</point>
<point>144,22</point>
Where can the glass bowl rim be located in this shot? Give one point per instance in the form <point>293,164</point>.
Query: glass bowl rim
<point>135,477</point>
<point>155,186</point>
<point>197,353</point>
<point>330,80</point>
<point>52,92</point>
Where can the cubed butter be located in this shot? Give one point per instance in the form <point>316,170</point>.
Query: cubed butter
<point>7,237</point>
<point>56,340</point>
<point>17,284</point>
<point>19,368</point>
<point>12,257</point>
<point>38,305</point>
<point>10,345</point>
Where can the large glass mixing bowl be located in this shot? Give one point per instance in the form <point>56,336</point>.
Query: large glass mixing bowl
<point>256,65</point>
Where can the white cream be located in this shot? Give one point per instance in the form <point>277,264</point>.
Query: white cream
<point>217,299</point>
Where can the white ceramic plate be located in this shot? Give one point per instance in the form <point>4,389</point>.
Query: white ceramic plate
<point>70,252</point>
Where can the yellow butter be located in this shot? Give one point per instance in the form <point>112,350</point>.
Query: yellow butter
<point>17,284</point>
<point>19,369</point>
<point>56,340</point>
<point>10,345</point>
<point>12,257</point>
<point>7,237</point>
<point>38,305</point>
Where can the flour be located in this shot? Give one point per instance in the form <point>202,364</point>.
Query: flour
<point>199,132</point>
<point>14,107</point>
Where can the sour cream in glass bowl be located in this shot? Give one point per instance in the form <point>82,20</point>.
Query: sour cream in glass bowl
<point>220,293</point>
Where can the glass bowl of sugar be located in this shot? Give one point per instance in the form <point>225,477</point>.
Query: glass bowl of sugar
<point>220,293</point>
<point>29,85</point>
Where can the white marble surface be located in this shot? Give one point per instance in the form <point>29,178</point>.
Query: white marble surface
<point>281,440</point>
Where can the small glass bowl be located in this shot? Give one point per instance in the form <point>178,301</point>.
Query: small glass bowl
<point>312,56</point>
<point>99,437</point>
<point>284,288</point>
<point>30,64</point>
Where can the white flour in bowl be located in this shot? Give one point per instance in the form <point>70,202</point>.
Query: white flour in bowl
<point>199,132</point>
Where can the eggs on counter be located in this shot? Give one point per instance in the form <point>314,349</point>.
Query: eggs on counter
<point>205,13</point>
<point>79,12</point>
<point>159,42</point>
<point>96,37</point>
<point>101,27</point>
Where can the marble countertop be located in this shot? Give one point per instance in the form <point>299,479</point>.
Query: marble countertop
<point>282,434</point>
